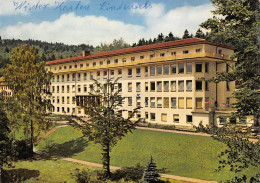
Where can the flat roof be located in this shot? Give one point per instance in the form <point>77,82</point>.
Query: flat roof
<point>190,41</point>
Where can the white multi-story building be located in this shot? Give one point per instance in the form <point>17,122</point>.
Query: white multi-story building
<point>168,80</point>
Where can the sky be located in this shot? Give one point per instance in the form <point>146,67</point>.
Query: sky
<point>95,21</point>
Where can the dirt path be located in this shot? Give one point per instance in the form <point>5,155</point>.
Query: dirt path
<point>114,168</point>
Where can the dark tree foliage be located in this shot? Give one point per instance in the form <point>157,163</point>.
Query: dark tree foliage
<point>186,34</point>
<point>105,124</point>
<point>200,34</point>
<point>238,26</point>
<point>4,140</point>
<point>151,174</point>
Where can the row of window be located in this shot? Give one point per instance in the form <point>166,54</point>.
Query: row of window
<point>167,86</point>
<point>163,118</point>
<point>169,102</point>
<point>154,70</point>
<point>108,62</point>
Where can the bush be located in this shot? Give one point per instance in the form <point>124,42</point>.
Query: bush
<point>86,176</point>
<point>129,173</point>
<point>22,149</point>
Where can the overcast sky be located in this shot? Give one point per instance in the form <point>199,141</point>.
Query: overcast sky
<point>96,21</point>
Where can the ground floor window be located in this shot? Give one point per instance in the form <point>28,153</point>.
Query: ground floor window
<point>176,118</point>
<point>152,116</point>
<point>146,115</point>
<point>189,119</point>
<point>164,117</point>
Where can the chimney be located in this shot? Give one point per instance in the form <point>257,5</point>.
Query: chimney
<point>85,53</point>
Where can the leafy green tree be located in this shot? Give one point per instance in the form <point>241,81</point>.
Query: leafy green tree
<point>237,24</point>
<point>29,83</point>
<point>105,124</point>
<point>115,45</point>
<point>151,174</point>
<point>4,140</point>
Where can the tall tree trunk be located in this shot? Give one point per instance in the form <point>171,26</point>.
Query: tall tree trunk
<point>31,145</point>
<point>106,160</point>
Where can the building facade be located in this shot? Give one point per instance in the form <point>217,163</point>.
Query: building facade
<point>168,80</point>
<point>4,89</point>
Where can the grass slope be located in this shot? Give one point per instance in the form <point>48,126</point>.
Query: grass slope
<point>183,155</point>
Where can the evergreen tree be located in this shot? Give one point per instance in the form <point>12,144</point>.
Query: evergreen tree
<point>29,83</point>
<point>151,174</point>
<point>160,38</point>
<point>7,49</point>
<point>200,34</point>
<point>238,26</point>
<point>105,124</point>
<point>186,34</point>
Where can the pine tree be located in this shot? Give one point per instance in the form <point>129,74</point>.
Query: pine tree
<point>151,174</point>
<point>105,124</point>
<point>160,38</point>
<point>186,34</point>
<point>200,34</point>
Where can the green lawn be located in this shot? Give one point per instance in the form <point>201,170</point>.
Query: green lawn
<point>183,155</point>
<point>45,170</point>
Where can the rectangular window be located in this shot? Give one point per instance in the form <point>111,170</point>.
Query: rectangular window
<point>189,67</point>
<point>173,69</point>
<point>152,102</point>
<point>129,72</point>
<point>180,86</point>
<point>85,76</point>
<point>189,118</point>
<point>124,60</point>
<point>138,86</point>
<point>227,102</point>
<point>146,71</point>
<point>159,69</point>
<point>129,87</point>
<point>181,68</point>
<point>146,101</point>
<point>130,101</point>
<point>132,58</point>
<point>58,100</point>
<point>68,88</point>
<point>162,54</point>
<point>53,99</point>
<point>181,103</point>
<point>166,69</point>
<point>166,86</point>
<point>173,102</point>
<point>101,63</point>
<point>138,102</point>
<point>120,86</point>
<point>91,76</point>
<point>68,100</point>
<point>53,89</point>
<point>112,72</point>
<point>152,55</point>
<point>81,65</point>
<point>142,57</point>
<point>173,53</point>
<point>198,67</point>
<point>198,85</point>
<point>152,116</point>
<point>206,67</point>
<point>79,88</point>
<point>164,117</point>
<point>94,63</point>
<point>58,89</point>
<point>146,86</point>
<point>73,77</point>
<point>159,86</point>
<point>189,103</point>
<point>79,76</point>
<point>98,73</point>
<point>189,85</point>
<point>227,86</point>
<point>119,71</point>
<point>108,62</point>
<point>62,78</point>
<point>58,109</point>
<point>146,115</point>
<point>116,61</point>
<point>176,118</point>
<point>173,86</point>
<point>68,110</point>
<point>159,102</point>
<point>138,72</point>
<point>58,78</point>
<point>198,50</point>
<point>166,102</point>
<point>73,100</point>
<point>198,103</point>
<point>219,51</point>
<point>152,86</point>
<point>62,100</point>
<point>206,85</point>
<point>73,88</point>
<point>152,70</point>
<point>185,51</point>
